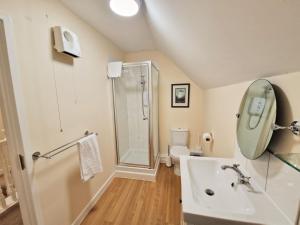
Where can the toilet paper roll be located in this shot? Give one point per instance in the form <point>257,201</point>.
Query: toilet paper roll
<point>207,138</point>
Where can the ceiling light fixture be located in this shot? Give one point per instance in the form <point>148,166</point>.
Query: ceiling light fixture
<point>125,7</point>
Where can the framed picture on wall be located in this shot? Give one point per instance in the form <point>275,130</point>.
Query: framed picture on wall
<point>180,95</point>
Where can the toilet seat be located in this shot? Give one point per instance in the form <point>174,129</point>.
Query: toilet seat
<point>177,151</point>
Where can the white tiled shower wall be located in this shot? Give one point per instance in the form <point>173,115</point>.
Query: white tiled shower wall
<point>280,181</point>
<point>132,129</point>
<point>137,127</point>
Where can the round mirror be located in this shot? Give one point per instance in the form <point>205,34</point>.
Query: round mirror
<point>256,117</point>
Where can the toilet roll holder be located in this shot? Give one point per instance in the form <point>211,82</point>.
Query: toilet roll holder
<point>207,137</point>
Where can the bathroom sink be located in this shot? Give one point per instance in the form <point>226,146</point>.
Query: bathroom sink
<point>211,196</point>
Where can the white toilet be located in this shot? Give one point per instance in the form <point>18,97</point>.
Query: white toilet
<point>179,139</point>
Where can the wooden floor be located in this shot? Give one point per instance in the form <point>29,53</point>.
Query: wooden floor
<point>11,216</point>
<point>133,202</point>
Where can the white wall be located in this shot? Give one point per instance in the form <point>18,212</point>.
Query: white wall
<point>84,96</point>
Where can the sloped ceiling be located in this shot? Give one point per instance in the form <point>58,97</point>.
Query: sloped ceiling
<point>130,34</point>
<point>216,43</point>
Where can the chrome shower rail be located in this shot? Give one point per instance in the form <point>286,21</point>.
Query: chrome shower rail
<point>60,149</point>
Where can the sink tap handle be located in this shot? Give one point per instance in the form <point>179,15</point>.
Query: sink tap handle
<point>236,165</point>
<point>244,180</point>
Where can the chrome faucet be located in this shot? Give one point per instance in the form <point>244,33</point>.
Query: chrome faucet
<point>242,179</point>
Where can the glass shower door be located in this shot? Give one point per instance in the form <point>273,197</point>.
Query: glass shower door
<point>132,115</point>
<point>154,115</point>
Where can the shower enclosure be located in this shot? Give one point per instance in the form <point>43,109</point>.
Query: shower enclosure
<point>136,115</point>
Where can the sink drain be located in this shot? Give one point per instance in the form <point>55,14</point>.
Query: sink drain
<point>209,192</point>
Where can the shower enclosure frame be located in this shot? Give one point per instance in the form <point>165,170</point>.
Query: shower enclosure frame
<point>152,160</point>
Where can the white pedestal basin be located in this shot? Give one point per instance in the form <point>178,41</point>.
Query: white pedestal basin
<point>211,196</point>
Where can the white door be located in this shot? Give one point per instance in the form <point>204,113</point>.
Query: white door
<point>17,189</point>
<point>9,205</point>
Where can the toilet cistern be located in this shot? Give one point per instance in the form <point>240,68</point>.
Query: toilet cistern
<point>179,140</point>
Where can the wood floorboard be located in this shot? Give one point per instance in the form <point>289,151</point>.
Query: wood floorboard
<point>135,202</point>
<point>11,216</point>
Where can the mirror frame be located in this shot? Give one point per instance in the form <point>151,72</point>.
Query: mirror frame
<point>271,130</point>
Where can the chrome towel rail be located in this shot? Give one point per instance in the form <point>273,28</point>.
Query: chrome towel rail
<point>62,148</point>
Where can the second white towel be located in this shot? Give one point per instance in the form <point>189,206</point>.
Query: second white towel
<point>89,157</point>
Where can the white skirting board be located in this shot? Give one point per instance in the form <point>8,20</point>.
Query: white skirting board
<point>93,201</point>
<point>137,173</point>
<point>163,158</point>
<point>136,176</point>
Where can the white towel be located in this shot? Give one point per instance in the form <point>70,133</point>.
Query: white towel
<point>89,156</point>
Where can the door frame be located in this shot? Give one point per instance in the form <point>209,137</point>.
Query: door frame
<point>14,119</point>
